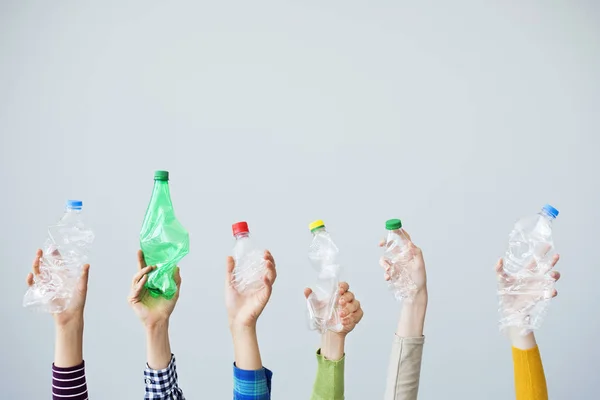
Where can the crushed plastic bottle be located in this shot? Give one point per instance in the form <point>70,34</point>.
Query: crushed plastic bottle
<point>397,260</point>
<point>65,253</point>
<point>525,285</point>
<point>249,260</point>
<point>323,309</point>
<point>163,239</point>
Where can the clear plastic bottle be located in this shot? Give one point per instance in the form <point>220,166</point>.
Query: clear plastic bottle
<point>249,260</point>
<point>525,287</point>
<point>530,242</point>
<point>65,253</point>
<point>397,260</point>
<point>323,301</point>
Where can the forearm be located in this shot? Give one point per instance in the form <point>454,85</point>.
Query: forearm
<point>329,382</point>
<point>521,342</point>
<point>332,346</point>
<point>68,347</point>
<point>530,380</point>
<point>158,346</point>
<point>245,346</point>
<point>412,318</point>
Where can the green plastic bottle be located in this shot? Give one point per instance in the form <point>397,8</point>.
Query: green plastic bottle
<point>163,239</point>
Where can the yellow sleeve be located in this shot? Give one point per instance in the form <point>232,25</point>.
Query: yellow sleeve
<point>530,381</point>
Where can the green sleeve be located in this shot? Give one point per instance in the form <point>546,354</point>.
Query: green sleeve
<point>329,384</point>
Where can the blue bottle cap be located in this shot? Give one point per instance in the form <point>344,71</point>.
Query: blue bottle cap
<point>550,210</point>
<point>74,204</point>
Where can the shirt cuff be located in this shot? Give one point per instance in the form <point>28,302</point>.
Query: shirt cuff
<point>69,383</point>
<point>251,385</point>
<point>409,340</point>
<point>162,383</point>
<point>329,384</point>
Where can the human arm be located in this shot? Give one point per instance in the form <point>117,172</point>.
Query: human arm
<point>68,369</point>
<point>251,381</point>
<point>404,369</point>
<point>529,376</point>
<point>160,374</point>
<point>329,383</point>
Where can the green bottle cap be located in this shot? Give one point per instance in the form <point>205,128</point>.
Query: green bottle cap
<point>393,224</point>
<point>161,176</point>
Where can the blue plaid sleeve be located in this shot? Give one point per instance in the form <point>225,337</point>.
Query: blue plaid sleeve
<point>162,384</point>
<point>251,385</point>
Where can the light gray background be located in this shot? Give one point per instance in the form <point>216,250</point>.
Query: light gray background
<point>457,117</point>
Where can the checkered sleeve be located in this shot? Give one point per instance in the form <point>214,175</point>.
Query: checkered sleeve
<point>162,384</point>
<point>251,385</point>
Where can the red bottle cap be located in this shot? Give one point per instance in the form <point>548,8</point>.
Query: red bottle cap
<point>240,227</point>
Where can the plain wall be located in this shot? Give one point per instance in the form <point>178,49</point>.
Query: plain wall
<point>457,117</point>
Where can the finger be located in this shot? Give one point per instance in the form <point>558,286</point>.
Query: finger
<point>346,298</point>
<point>387,276</point>
<point>268,286</point>
<point>307,292</point>
<point>414,248</point>
<point>269,257</point>
<point>545,267</point>
<point>136,291</point>
<point>140,274</point>
<point>85,275</point>
<point>500,269</point>
<point>29,279</point>
<point>141,260</point>
<point>358,315</point>
<point>382,242</point>
<point>554,293</point>
<point>230,265</point>
<point>270,273</point>
<point>36,262</point>
<point>177,277</point>
<point>350,308</point>
<point>343,287</point>
<point>407,235</point>
<point>554,260</point>
<point>555,275</point>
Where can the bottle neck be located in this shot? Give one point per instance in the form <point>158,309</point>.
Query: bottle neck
<point>318,230</point>
<point>547,215</point>
<point>242,235</point>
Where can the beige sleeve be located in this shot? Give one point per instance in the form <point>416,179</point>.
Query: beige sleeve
<point>405,368</point>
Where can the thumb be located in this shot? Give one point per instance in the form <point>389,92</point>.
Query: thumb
<point>85,275</point>
<point>307,292</point>
<point>177,277</point>
<point>229,271</point>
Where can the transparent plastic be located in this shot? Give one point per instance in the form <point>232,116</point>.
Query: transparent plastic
<point>65,252</point>
<point>397,260</point>
<point>323,309</point>
<point>525,286</point>
<point>163,240</point>
<point>249,264</point>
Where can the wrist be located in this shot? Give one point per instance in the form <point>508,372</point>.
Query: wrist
<point>157,326</point>
<point>332,345</point>
<point>238,330</point>
<point>74,325</point>
<point>520,341</point>
<point>412,318</point>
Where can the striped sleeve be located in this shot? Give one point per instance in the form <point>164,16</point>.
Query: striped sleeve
<point>69,383</point>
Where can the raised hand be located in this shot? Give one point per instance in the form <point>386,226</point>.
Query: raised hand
<point>150,310</point>
<point>74,311</point>
<point>415,268</point>
<point>524,295</point>
<point>350,311</point>
<point>243,309</point>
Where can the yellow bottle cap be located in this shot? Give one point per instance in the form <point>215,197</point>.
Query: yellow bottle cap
<point>316,224</point>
